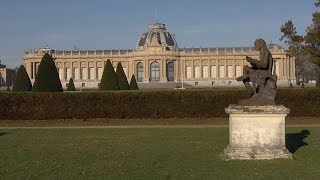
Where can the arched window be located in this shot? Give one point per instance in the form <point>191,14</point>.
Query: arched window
<point>155,72</point>
<point>140,72</point>
<point>170,71</point>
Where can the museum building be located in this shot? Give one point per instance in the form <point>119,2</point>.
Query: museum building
<point>157,58</point>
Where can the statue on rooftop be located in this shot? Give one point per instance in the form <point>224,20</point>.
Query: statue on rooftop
<point>263,87</point>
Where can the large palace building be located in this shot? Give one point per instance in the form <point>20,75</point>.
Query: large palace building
<point>157,58</point>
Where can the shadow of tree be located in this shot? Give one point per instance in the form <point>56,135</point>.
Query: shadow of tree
<point>3,133</point>
<point>295,140</point>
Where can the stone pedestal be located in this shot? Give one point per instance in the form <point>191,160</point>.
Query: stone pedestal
<point>257,132</point>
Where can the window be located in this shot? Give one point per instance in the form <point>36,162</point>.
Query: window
<point>125,71</point>
<point>196,83</point>
<point>91,73</point>
<point>197,72</point>
<point>213,83</point>
<point>100,73</point>
<point>188,72</point>
<point>229,83</point>
<point>221,71</point>
<point>84,73</point>
<point>213,71</point>
<point>155,71</point>
<point>83,85</point>
<point>170,71</point>
<point>205,72</point>
<point>68,72</point>
<point>230,71</point>
<point>60,70</point>
<point>277,66</point>
<point>76,73</point>
<point>238,71</point>
<point>140,72</point>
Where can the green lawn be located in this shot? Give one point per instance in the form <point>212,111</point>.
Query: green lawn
<point>143,153</point>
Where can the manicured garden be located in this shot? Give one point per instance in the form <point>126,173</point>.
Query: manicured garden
<point>145,104</point>
<point>146,153</point>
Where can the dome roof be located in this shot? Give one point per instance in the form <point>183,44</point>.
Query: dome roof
<point>157,31</point>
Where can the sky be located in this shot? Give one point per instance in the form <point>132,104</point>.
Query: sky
<point>118,24</point>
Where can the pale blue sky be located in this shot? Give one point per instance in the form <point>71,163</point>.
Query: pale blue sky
<point>114,24</point>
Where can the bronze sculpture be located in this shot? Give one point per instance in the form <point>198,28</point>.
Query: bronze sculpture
<point>264,83</point>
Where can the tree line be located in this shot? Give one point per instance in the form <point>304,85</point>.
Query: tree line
<point>305,48</point>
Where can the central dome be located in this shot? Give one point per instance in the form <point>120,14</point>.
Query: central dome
<point>160,33</point>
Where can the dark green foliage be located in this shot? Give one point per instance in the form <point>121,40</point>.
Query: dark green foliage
<point>122,78</point>
<point>145,104</point>
<point>291,85</point>
<point>302,85</point>
<point>312,39</point>
<point>109,79</point>
<point>133,83</point>
<point>47,78</point>
<point>22,81</point>
<point>8,88</point>
<point>318,82</point>
<point>71,85</point>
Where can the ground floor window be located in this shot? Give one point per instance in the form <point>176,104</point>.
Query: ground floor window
<point>188,72</point>
<point>205,73</point>
<point>213,71</point>
<point>221,71</point>
<point>197,72</point>
<point>170,71</point>
<point>155,72</point>
<point>140,72</point>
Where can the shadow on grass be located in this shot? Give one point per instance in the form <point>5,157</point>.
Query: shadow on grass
<point>295,140</point>
<point>3,133</point>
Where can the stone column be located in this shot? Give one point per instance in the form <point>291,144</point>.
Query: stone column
<point>294,69</point>
<point>72,72</point>
<point>88,76</point>
<point>192,69</point>
<point>31,70</point>
<point>225,69</point>
<point>242,65</point>
<point>95,71</point>
<point>163,70</point>
<point>234,68</point>
<point>217,69</point>
<point>64,71</point>
<point>146,71</point>
<point>209,68</point>
<point>200,69</point>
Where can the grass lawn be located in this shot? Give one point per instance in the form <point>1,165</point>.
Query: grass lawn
<point>144,153</point>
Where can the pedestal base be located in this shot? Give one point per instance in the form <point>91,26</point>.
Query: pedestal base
<point>257,132</point>
<point>256,153</point>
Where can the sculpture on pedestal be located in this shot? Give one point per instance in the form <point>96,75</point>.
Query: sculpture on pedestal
<point>264,83</point>
<point>257,125</point>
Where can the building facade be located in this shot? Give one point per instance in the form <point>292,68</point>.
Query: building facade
<point>7,75</point>
<point>158,59</point>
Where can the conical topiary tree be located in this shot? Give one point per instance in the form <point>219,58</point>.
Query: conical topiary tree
<point>22,81</point>
<point>291,85</point>
<point>71,85</point>
<point>47,78</point>
<point>8,88</point>
<point>122,78</point>
<point>133,83</point>
<point>109,79</point>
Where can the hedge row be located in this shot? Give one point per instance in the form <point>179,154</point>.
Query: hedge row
<point>144,104</point>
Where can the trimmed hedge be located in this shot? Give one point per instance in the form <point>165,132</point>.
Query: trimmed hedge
<point>144,104</point>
